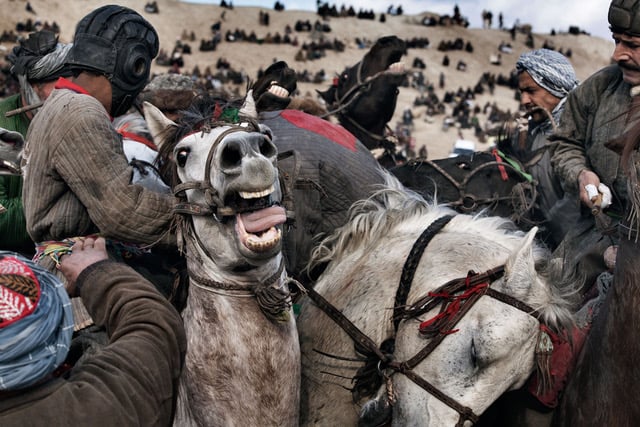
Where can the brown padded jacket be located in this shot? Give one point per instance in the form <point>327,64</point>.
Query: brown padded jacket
<point>78,181</point>
<point>130,382</point>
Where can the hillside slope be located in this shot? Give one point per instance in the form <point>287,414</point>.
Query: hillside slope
<point>175,17</point>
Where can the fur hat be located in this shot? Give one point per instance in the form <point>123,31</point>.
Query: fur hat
<point>170,92</point>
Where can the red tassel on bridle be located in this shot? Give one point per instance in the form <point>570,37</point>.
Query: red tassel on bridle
<point>501,168</point>
<point>452,308</point>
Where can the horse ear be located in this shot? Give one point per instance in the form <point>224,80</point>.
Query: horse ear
<point>326,95</point>
<point>158,123</point>
<point>520,266</point>
<point>248,109</point>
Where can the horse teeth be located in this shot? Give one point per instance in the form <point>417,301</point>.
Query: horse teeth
<point>257,194</point>
<point>397,67</point>
<point>279,91</point>
<point>253,243</point>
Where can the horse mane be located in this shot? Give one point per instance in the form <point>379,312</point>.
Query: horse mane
<point>133,123</point>
<point>392,205</point>
<point>199,116</point>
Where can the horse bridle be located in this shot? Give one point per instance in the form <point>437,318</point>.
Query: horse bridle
<point>273,302</point>
<point>467,202</point>
<point>477,285</point>
<point>214,204</point>
<point>343,102</point>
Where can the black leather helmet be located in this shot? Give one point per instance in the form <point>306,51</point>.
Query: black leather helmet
<point>624,17</point>
<point>119,43</point>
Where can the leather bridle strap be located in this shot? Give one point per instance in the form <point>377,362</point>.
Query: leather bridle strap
<point>410,265</point>
<point>352,330</point>
<point>212,198</point>
<point>465,412</point>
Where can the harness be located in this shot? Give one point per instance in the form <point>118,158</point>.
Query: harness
<point>275,302</point>
<point>468,202</point>
<point>215,205</point>
<point>453,309</point>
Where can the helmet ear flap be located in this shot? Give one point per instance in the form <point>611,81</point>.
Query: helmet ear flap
<point>134,64</point>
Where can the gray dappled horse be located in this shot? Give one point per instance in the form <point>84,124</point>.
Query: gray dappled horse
<point>242,365</point>
<point>448,306</point>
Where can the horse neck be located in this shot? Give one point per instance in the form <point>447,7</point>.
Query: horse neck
<point>237,356</point>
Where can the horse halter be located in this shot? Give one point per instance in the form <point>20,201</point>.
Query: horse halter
<point>474,286</point>
<point>343,102</point>
<point>214,205</point>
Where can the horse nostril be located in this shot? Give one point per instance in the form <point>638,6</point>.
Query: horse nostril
<point>267,148</point>
<point>231,156</point>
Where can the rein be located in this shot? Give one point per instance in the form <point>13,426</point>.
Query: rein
<point>343,102</point>
<point>468,202</point>
<point>453,309</point>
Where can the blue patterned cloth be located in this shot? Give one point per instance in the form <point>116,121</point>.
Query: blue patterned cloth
<point>35,344</point>
<point>551,70</point>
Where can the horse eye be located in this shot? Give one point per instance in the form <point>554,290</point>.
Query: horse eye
<point>181,156</point>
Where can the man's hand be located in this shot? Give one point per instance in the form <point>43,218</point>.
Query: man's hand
<point>84,252</point>
<point>588,178</point>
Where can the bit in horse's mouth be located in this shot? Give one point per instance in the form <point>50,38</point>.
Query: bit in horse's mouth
<point>240,203</point>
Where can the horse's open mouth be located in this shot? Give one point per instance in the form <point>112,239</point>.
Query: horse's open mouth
<point>9,168</point>
<point>396,68</point>
<point>277,90</point>
<point>257,220</point>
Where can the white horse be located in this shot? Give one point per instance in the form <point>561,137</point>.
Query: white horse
<point>479,333</point>
<point>243,360</point>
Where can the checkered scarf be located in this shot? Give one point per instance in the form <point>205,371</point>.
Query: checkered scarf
<point>549,69</point>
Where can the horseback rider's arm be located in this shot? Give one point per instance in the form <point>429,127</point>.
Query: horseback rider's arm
<point>133,379</point>
<point>96,170</point>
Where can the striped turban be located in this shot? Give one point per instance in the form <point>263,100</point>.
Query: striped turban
<point>40,58</point>
<point>551,70</point>
<point>36,322</point>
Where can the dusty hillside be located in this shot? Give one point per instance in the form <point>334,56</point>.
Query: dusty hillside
<point>174,17</point>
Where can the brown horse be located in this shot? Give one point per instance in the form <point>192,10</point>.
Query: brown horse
<point>605,385</point>
<point>362,97</point>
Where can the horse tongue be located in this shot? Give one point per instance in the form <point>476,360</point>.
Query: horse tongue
<point>264,219</point>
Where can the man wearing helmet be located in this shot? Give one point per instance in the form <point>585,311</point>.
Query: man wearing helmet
<point>77,179</point>
<point>598,111</point>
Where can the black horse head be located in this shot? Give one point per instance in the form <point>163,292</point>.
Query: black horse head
<point>274,87</point>
<point>364,96</point>
<point>474,182</point>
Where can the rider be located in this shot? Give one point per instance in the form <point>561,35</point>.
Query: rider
<point>597,112</point>
<point>77,179</point>
<point>545,78</point>
<point>37,63</point>
<point>132,381</point>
